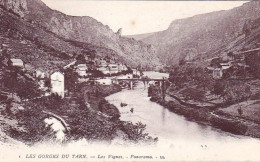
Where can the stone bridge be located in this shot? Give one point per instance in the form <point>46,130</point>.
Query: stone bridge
<point>145,81</point>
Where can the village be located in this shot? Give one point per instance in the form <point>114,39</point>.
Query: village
<point>111,80</point>
<point>61,94</point>
<point>82,69</point>
<point>236,64</point>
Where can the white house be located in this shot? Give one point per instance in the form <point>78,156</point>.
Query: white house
<point>81,69</point>
<point>225,66</point>
<point>103,63</point>
<point>136,72</point>
<point>16,62</point>
<point>81,80</point>
<point>124,68</point>
<point>121,67</point>
<point>57,83</point>
<point>42,85</point>
<point>217,73</point>
<point>113,68</point>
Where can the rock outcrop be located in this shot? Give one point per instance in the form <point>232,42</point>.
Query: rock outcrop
<point>202,35</point>
<point>17,6</point>
<point>83,29</point>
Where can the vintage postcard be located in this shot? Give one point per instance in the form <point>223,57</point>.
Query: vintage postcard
<point>129,80</point>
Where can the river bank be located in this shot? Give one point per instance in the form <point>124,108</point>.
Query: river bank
<point>84,113</point>
<point>214,118</point>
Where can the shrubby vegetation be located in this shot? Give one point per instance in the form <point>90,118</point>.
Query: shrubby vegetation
<point>35,130</point>
<point>189,75</point>
<point>135,132</point>
<point>81,116</point>
<point>14,80</point>
<point>194,83</point>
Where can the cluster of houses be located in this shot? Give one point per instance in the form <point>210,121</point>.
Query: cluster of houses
<point>82,68</point>
<point>111,68</point>
<point>57,80</point>
<point>226,61</point>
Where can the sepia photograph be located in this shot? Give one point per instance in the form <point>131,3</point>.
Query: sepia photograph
<point>129,80</point>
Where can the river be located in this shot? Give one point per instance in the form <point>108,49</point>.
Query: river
<point>179,139</point>
<point>174,131</point>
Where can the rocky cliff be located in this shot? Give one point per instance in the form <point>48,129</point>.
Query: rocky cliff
<point>201,36</point>
<point>17,6</point>
<point>82,29</point>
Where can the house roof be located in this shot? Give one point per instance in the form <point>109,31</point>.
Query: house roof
<point>82,65</point>
<point>39,71</point>
<point>67,66</point>
<point>17,61</point>
<point>225,64</point>
<point>248,51</point>
<point>103,69</point>
<point>113,65</point>
<point>57,72</point>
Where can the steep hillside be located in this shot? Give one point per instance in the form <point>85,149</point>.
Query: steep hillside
<point>199,37</point>
<point>37,46</point>
<point>82,29</point>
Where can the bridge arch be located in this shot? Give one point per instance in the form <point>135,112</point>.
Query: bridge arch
<point>63,122</point>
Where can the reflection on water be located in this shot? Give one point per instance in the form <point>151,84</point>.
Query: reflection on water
<point>160,121</point>
<point>174,130</point>
<point>163,116</point>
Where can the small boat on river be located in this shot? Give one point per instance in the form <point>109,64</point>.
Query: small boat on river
<point>123,104</point>
<point>132,110</point>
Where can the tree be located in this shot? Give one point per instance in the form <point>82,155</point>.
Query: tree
<point>253,60</point>
<point>80,57</point>
<point>37,42</point>
<point>135,132</point>
<point>215,62</point>
<point>247,28</point>
<point>5,54</point>
<point>71,78</point>
<point>92,55</point>
<point>10,79</point>
<point>97,73</point>
<point>219,88</point>
<point>47,83</point>
<point>237,91</point>
<point>27,89</point>
<point>240,111</point>
<point>181,62</point>
<point>230,54</point>
<point>8,103</point>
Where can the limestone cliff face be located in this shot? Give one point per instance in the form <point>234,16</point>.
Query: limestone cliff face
<point>202,36</point>
<point>17,6</point>
<point>83,29</point>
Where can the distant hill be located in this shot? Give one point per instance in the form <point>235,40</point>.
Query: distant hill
<point>203,36</point>
<point>35,20</point>
<point>139,36</point>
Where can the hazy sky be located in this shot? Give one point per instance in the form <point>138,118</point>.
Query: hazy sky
<point>136,17</point>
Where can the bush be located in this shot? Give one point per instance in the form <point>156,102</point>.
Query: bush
<point>35,128</point>
<point>135,132</point>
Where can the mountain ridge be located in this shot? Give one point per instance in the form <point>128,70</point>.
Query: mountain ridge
<point>83,29</point>
<point>189,38</point>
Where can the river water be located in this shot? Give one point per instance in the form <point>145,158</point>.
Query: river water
<point>175,132</point>
<point>179,139</point>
